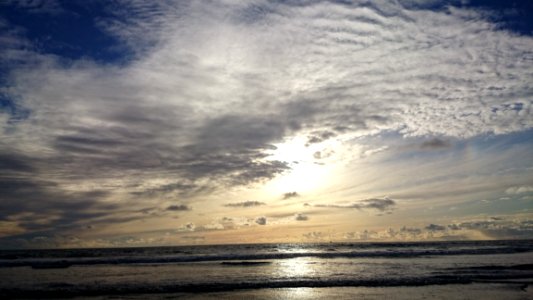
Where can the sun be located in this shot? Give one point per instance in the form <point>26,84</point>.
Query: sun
<point>308,170</point>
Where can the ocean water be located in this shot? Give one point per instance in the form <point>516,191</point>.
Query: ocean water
<point>439,270</point>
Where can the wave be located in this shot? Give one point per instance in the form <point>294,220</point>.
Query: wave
<point>404,253</point>
<point>61,290</point>
<point>245,263</point>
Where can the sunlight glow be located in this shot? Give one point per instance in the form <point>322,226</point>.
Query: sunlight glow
<point>310,165</point>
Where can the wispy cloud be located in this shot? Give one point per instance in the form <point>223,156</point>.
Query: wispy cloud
<point>381,204</point>
<point>289,195</point>
<point>178,207</point>
<point>245,204</point>
<point>519,190</point>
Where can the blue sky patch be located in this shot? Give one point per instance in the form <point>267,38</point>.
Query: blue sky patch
<point>70,32</point>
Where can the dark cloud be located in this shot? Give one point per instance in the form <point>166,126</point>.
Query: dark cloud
<point>226,151</point>
<point>318,137</point>
<point>14,163</point>
<point>261,220</point>
<point>435,144</point>
<point>245,204</point>
<point>500,228</point>
<point>20,195</point>
<point>182,189</point>
<point>232,149</point>
<point>301,217</point>
<point>178,207</point>
<point>435,227</point>
<point>290,195</point>
<point>413,231</point>
<point>380,204</point>
<point>454,227</point>
<point>240,133</point>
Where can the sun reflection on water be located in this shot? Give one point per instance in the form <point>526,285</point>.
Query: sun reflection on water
<point>300,267</point>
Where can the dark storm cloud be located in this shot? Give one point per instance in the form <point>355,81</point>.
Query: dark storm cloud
<point>178,207</point>
<point>381,204</point>
<point>245,204</point>
<point>289,195</point>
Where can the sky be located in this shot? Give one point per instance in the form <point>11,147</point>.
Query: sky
<point>149,123</point>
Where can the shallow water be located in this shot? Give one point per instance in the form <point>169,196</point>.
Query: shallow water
<point>296,271</point>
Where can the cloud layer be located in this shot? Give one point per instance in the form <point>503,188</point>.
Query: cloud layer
<point>209,88</point>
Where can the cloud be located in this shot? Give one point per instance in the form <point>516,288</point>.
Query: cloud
<point>514,190</point>
<point>261,220</point>
<point>209,88</point>
<point>289,195</point>
<point>187,227</point>
<point>381,204</point>
<point>182,189</point>
<point>323,154</point>
<point>211,226</point>
<point>454,227</point>
<point>314,235</point>
<point>435,144</point>
<point>318,137</point>
<point>301,217</point>
<point>435,227</point>
<point>500,228</point>
<point>36,6</point>
<point>245,204</point>
<point>193,238</point>
<point>178,207</point>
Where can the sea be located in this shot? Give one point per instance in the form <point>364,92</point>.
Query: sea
<point>417,270</point>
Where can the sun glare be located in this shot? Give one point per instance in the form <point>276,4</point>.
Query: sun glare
<point>308,170</point>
